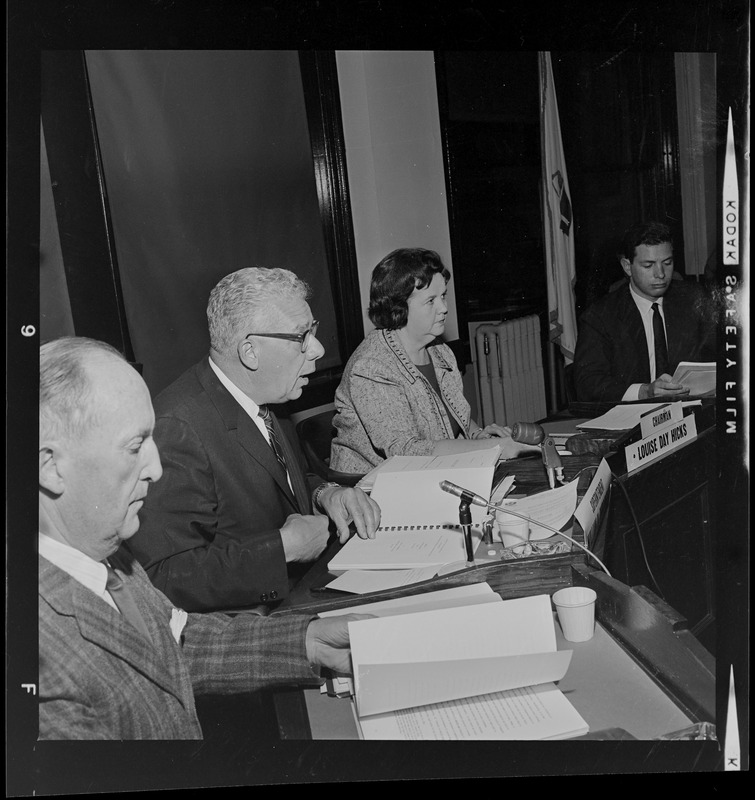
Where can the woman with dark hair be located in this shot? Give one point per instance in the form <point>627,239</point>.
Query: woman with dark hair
<point>401,392</point>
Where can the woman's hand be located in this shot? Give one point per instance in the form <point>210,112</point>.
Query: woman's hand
<point>509,448</point>
<point>491,431</point>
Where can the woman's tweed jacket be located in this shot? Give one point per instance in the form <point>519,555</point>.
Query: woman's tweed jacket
<point>386,407</point>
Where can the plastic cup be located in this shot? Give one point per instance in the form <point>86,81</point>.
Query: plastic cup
<point>512,531</point>
<point>576,612</point>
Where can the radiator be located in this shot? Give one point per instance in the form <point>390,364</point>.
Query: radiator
<point>508,363</point>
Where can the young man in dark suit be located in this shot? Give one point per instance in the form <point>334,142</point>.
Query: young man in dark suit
<point>631,341</point>
<point>117,660</point>
<point>233,521</point>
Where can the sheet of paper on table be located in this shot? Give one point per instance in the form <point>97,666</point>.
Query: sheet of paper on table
<point>554,507</point>
<point>364,581</point>
<point>625,417</point>
<point>400,549</point>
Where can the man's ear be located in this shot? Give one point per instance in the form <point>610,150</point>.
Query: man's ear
<point>626,265</point>
<point>50,473</point>
<point>248,354</point>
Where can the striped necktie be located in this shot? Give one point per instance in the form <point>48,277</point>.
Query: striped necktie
<point>659,337</point>
<point>123,598</point>
<point>267,418</point>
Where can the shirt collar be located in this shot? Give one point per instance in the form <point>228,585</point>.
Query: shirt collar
<point>643,303</point>
<point>241,398</point>
<point>80,566</point>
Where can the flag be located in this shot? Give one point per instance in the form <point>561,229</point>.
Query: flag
<point>558,230</point>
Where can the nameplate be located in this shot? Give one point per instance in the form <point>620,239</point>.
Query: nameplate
<point>663,441</point>
<point>588,511</point>
<point>651,421</point>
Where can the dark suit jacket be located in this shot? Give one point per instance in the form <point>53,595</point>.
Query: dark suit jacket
<point>99,678</point>
<point>612,351</point>
<point>210,527</point>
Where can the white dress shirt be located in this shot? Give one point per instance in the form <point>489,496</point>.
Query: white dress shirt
<point>93,575</point>
<point>645,307</point>
<point>82,568</point>
<point>246,403</point>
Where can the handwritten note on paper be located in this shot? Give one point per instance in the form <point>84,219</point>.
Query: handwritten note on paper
<point>394,550</point>
<point>554,507</point>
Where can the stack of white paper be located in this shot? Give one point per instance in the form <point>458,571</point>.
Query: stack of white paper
<point>407,488</point>
<point>438,674</point>
<point>626,417</point>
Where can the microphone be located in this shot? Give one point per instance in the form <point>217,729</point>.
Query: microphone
<point>470,497</point>
<point>527,433</point>
<point>464,494</point>
<point>532,433</point>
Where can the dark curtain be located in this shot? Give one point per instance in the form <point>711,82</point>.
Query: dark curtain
<point>208,168</point>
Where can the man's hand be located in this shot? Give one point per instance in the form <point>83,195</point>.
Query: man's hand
<point>304,537</point>
<point>328,642</point>
<point>345,505</point>
<point>662,386</point>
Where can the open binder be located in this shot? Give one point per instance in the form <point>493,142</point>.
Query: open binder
<point>482,670</point>
<point>407,488</point>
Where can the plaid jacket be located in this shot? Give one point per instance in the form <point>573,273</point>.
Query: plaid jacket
<point>100,679</point>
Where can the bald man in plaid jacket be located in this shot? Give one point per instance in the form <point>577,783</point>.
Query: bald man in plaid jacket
<point>117,660</point>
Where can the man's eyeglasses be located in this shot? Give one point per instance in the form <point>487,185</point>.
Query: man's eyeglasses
<point>304,339</point>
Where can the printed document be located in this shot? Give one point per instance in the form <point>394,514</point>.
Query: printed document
<point>481,671</point>
<point>528,713</point>
<point>446,654</point>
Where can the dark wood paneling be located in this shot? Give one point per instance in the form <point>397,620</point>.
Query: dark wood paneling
<point>322,99</point>
<point>673,551</point>
<point>81,204</point>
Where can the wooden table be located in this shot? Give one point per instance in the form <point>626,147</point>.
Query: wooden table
<point>672,500</point>
<point>654,644</point>
<point>652,632</point>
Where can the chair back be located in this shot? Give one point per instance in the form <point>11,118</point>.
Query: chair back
<point>315,432</point>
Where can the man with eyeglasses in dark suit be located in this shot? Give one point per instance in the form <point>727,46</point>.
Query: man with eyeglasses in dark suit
<point>233,523</point>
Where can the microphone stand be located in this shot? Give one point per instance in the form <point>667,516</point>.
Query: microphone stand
<point>465,520</point>
<point>554,469</point>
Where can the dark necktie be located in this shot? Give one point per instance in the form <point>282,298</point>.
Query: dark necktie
<point>659,336</point>
<point>274,441</point>
<point>123,598</point>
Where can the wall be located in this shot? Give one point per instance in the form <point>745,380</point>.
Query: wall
<point>208,165</point>
<point>394,157</point>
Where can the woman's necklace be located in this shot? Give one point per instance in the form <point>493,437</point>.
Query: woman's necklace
<point>417,353</point>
